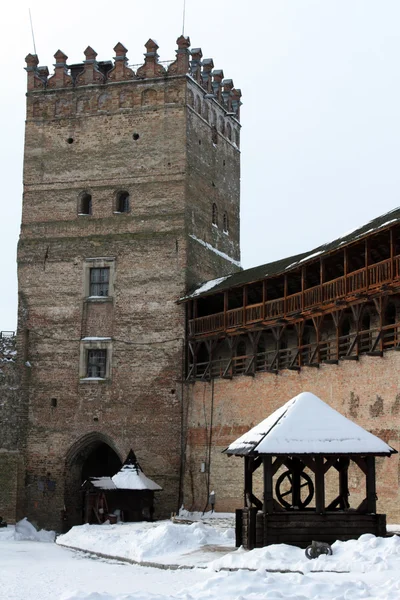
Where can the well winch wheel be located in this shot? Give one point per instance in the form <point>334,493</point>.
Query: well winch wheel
<point>305,482</point>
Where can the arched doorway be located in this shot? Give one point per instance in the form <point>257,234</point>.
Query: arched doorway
<point>93,455</point>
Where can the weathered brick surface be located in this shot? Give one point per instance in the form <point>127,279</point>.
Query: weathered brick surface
<point>367,391</point>
<point>10,455</point>
<point>81,139</point>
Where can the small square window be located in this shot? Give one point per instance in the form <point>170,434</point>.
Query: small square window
<point>96,363</point>
<point>99,280</point>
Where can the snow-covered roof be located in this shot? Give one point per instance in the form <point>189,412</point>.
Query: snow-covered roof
<point>132,478</point>
<point>102,483</point>
<point>278,267</point>
<point>306,425</point>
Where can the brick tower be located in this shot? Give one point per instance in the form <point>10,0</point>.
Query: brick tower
<point>131,197</point>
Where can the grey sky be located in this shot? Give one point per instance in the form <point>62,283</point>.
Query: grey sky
<point>321,95</point>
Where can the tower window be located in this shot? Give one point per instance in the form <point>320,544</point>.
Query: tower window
<point>123,202</point>
<point>225,223</point>
<point>214,215</point>
<point>96,363</point>
<point>229,131</point>
<point>99,280</point>
<point>214,135</point>
<point>85,205</point>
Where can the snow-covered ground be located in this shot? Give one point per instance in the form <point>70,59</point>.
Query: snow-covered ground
<point>368,567</point>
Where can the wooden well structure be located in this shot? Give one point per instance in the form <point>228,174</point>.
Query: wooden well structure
<point>129,493</point>
<point>296,447</point>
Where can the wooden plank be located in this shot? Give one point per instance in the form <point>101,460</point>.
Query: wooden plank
<point>251,534</point>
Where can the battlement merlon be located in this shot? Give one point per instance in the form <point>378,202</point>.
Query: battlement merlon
<point>92,72</point>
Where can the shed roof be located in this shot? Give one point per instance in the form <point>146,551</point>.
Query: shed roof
<point>131,478</point>
<point>292,262</point>
<point>307,425</point>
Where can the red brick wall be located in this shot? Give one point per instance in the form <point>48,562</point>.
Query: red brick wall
<point>367,392</point>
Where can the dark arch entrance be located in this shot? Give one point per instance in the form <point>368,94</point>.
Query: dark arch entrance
<point>94,455</point>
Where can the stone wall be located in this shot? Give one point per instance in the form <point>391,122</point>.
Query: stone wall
<point>89,133</point>
<point>367,392</point>
<point>10,432</point>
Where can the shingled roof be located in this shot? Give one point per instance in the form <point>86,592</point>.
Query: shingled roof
<point>292,262</point>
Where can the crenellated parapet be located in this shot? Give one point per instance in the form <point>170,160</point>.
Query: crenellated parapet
<point>91,72</point>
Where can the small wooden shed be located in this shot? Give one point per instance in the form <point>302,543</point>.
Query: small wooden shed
<point>296,446</point>
<point>128,494</point>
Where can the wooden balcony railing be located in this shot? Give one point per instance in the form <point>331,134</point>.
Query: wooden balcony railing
<point>371,341</point>
<point>355,282</point>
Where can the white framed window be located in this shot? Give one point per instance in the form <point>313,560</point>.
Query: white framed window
<point>95,359</point>
<point>98,278</point>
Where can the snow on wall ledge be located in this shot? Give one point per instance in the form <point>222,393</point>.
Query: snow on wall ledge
<point>218,252</point>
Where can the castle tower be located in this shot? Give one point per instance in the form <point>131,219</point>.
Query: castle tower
<point>131,197</point>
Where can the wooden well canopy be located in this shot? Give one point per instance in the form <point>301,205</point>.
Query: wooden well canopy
<point>128,493</point>
<point>297,445</point>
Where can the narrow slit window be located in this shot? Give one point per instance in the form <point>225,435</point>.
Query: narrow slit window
<point>96,363</point>
<point>123,202</point>
<point>99,280</point>
<point>226,223</point>
<point>86,205</point>
<point>214,214</point>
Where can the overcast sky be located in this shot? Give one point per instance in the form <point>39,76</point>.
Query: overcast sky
<point>320,116</point>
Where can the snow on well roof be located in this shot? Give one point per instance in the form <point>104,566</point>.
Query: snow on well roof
<point>306,425</point>
<point>132,478</point>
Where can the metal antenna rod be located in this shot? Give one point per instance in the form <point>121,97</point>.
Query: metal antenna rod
<point>184,14</point>
<point>33,35</point>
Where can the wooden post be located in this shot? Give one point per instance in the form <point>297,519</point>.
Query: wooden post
<point>248,480</point>
<point>366,262</point>
<point>264,290</point>
<point>225,310</point>
<point>391,254</point>
<point>239,527</point>
<point>244,303</point>
<point>268,504</point>
<point>345,268</point>
<point>371,484</point>
<point>344,482</point>
<point>296,481</point>
<point>302,286</point>
<point>285,288</point>
<point>319,484</point>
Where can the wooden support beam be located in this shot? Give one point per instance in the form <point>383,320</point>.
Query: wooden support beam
<point>225,310</point>
<point>285,288</point>
<point>344,483</point>
<point>392,249</point>
<point>371,484</point>
<point>248,481</point>
<point>278,462</point>
<point>319,484</point>
<point>244,304</point>
<point>264,293</point>
<point>268,506</point>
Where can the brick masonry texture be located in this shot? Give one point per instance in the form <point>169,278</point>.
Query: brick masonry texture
<point>81,140</point>
<point>11,457</point>
<point>367,392</point>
